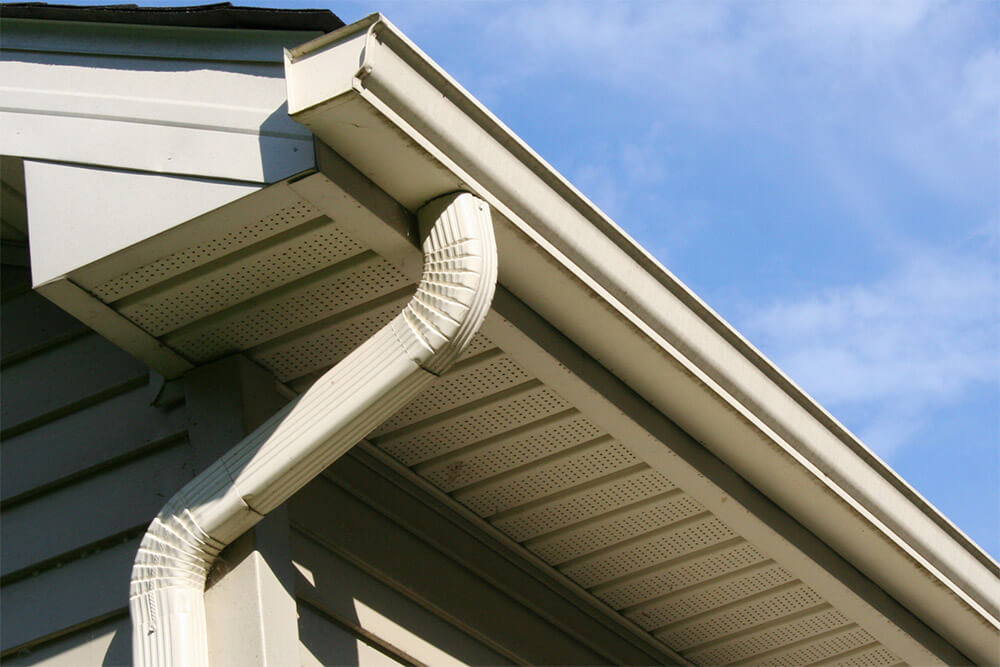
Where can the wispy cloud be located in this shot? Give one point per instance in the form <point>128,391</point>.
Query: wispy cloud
<point>893,109</point>
<point>913,82</point>
<point>878,118</point>
<point>893,351</point>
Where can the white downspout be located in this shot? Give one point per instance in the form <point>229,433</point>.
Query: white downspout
<point>305,437</point>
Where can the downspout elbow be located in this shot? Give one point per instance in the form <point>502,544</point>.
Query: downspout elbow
<point>304,438</point>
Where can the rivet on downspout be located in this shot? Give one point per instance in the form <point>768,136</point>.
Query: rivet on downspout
<point>300,441</point>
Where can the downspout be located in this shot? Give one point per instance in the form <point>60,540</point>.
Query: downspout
<point>305,437</point>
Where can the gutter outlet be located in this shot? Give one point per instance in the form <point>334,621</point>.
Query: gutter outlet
<point>305,437</point>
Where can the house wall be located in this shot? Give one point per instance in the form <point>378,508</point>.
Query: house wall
<point>199,102</point>
<point>88,456</point>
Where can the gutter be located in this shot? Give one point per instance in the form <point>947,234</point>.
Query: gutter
<point>304,438</point>
<point>367,84</point>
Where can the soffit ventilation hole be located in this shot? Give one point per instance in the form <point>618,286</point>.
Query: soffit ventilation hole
<point>685,606</point>
<point>257,325</point>
<point>230,284</point>
<point>469,427</point>
<point>613,531</point>
<point>681,576</point>
<point>479,344</point>
<point>757,612</point>
<point>451,391</point>
<point>510,454</point>
<point>189,258</point>
<point>769,639</point>
<point>548,478</point>
<point>325,348</point>
<point>875,657</point>
<point>823,649</point>
<point>643,554</point>
<point>584,504</point>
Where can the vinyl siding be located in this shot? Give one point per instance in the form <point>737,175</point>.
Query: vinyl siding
<point>88,459</point>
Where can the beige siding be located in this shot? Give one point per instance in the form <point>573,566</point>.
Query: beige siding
<point>88,458</point>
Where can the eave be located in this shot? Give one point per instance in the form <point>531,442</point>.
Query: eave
<point>583,308</point>
<point>573,266</point>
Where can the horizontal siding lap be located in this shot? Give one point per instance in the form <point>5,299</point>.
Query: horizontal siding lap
<point>323,642</point>
<point>335,587</point>
<point>82,441</point>
<point>49,324</point>
<point>80,592</point>
<point>63,379</point>
<point>103,643</point>
<point>88,459</point>
<point>486,612</point>
<point>95,508</point>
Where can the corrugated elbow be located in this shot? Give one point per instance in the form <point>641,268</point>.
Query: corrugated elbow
<point>168,582</point>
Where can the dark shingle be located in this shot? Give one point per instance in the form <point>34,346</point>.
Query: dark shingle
<point>219,15</point>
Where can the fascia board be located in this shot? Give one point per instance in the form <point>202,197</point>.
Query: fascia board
<point>729,395</point>
<point>106,321</point>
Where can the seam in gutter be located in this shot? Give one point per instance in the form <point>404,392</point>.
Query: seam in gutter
<point>304,438</point>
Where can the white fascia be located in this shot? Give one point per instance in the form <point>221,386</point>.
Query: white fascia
<point>304,438</point>
<point>377,100</point>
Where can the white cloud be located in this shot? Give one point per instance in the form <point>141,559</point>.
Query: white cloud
<point>924,336</point>
<point>912,81</point>
<point>677,49</point>
<point>979,97</point>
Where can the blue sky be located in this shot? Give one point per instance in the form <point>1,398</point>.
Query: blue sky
<point>825,175</point>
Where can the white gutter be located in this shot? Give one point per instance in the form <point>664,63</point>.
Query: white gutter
<point>367,83</point>
<point>305,437</point>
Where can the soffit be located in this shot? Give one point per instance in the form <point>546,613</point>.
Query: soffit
<point>296,287</point>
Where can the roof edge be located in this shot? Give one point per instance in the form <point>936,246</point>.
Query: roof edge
<point>738,373</point>
<point>654,267</point>
<point>218,15</point>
